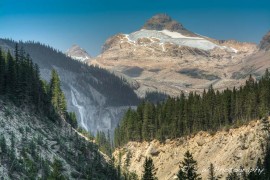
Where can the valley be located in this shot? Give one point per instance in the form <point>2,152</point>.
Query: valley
<point>97,90</point>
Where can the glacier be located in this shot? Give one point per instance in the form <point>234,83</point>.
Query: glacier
<point>166,36</point>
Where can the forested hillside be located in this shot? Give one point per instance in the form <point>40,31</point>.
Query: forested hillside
<point>36,142</point>
<point>211,111</point>
<point>114,88</point>
<point>20,82</point>
<point>98,97</point>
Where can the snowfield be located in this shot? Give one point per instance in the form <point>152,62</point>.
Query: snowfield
<point>166,36</point>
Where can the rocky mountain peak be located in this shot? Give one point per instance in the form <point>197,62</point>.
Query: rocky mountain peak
<point>265,42</point>
<point>161,22</point>
<point>78,53</point>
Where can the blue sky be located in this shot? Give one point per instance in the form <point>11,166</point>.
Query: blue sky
<point>88,23</point>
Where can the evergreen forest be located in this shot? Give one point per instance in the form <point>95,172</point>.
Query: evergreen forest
<point>210,111</point>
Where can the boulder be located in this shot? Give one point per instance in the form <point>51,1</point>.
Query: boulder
<point>152,151</point>
<point>200,142</point>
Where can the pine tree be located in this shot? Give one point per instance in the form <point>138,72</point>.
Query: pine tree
<point>57,97</point>
<point>57,171</point>
<point>2,73</point>
<point>3,145</point>
<point>259,173</point>
<point>188,168</point>
<point>266,163</point>
<point>55,89</point>
<point>212,175</point>
<point>149,169</point>
<point>232,176</point>
<point>11,76</point>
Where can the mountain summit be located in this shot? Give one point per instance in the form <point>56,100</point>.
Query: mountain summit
<point>161,22</point>
<point>78,53</point>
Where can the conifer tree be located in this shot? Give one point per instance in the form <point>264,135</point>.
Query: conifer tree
<point>232,176</point>
<point>212,175</point>
<point>149,168</point>
<point>259,173</point>
<point>57,171</point>
<point>2,73</point>
<point>266,163</point>
<point>57,97</point>
<point>188,168</point>
<point>11,77</point>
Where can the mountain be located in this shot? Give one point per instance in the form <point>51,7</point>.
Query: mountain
<point>98,97</point>
<point>164,56</point>
<point>78,53</point>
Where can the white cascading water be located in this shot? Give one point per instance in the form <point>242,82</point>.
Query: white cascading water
<point>80,108</point>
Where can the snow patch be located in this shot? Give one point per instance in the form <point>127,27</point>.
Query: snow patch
<point>177,35</point>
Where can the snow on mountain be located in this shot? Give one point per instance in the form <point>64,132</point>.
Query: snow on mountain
<point>166,36</point>
<point>78,53</point>
<point>163,55</point>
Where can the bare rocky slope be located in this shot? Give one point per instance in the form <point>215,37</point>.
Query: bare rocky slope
<point>227,150</point>
<point>165,56</point>
<point>33,143</point>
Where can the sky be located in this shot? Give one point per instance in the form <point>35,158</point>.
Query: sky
<point>88,23</point>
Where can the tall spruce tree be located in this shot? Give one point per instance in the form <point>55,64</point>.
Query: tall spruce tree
<point>188,168</point>
<point>232,176</point>
<point>57,97</point>
<point>2,73</point>
<point>149,170</point>
<point>212,174</point>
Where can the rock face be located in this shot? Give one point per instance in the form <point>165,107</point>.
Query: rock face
<point>226,149</point>
<point>78,53</point>
<point>161,22</point>
<point>265,42</point>
<point>164,56</point>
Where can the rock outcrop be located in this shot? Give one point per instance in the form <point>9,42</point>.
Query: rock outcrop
<point>162,21</point>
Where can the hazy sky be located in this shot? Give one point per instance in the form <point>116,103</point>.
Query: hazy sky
<point>88,23</point>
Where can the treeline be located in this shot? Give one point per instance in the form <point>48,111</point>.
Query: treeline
<point>182,116</point>
<point>116,90</point>
<point>20,82</point>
